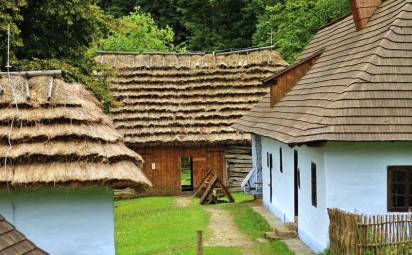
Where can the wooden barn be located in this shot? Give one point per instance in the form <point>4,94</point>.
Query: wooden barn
<point>176,111</point>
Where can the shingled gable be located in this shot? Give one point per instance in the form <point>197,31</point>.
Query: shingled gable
<point>281,82</point>
<point>13,242</point>
<point>190,98</point>
<point>55,133</point>
<point>360,89</point>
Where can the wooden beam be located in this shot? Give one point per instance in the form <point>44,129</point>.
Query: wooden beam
<point>29,74</point>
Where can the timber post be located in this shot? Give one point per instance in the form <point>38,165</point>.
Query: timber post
<point>199,246</point>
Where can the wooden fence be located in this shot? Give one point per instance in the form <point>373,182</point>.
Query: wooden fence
<point>354,234</point>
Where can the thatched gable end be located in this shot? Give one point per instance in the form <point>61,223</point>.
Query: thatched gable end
<point>184,103</point>
<point>52,132</point>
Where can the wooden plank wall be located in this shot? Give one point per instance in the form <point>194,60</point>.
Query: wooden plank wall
<point>285,81</point>
<point>238,160</point>
<point>166,177</point>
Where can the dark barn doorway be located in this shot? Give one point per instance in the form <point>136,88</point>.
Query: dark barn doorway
<point>186,173</point>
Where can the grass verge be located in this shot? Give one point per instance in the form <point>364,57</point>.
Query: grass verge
<point>154,225</point>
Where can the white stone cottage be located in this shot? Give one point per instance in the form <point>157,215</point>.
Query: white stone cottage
<point>59,157</point>
<point>336,129</point>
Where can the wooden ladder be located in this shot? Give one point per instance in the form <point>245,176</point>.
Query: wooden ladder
<point>211,188</point>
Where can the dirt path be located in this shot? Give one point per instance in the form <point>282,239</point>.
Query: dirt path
<point>183,201</point>
<point>224,231</point>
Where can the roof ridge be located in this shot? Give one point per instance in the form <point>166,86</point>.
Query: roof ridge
<point>365,76</point>
<point>217,52</point>
<point>362,76</point>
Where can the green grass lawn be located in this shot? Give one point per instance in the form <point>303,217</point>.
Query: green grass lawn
<point>155,226</point>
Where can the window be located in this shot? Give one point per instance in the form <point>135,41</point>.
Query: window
<point>314,185</point>
<point>267,159</point>
<point>270,161</point>
<point>399,188</point>
<point>280,160</point>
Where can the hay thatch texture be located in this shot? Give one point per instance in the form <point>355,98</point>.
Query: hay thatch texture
<point>62,139</point>
<point>360,89</point>
<point>182,105</point>
<point>190,60</point>
<point>13,242</point>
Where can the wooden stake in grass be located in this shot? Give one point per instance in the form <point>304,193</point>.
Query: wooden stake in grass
<point>199,248</point>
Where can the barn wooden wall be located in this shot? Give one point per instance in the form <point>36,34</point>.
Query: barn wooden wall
<point>231,163</point>
<point>166,176</point>
<point>238,161</point>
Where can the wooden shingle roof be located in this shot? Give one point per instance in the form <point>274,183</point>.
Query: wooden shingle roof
<point>188,99</point>
<point>13,242</point>
<point>52,132</point>
<point>360,88</point>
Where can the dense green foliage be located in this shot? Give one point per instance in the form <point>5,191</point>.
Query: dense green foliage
<point>225,24</point>
<point>218,24</point>
<point>10,14</point>
<point>138,32</point>
<point>51,34</point>
<point>60,29</point>
<point>200,24</point>
<point>294,22</point>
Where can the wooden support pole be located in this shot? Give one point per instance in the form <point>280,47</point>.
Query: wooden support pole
<point>199,247</point>
<point>50,89</point>
<point>27,89</point>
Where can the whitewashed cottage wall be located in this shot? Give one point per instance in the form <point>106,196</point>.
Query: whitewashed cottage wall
<point>350,176</point>
<point>63,222</point>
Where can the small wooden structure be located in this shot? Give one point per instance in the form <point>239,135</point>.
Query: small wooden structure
<point>211,189</point>
<point>378,234</point>
<point>180,106</point>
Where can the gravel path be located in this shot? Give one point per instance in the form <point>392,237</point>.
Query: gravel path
<point>224,231</point>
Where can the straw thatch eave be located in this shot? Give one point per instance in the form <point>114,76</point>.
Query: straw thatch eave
<point>60,137</point>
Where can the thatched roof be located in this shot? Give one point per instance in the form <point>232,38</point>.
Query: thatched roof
<point>188,98</point>
<point>360,88</point>
<point>52,132</point>
<point>13,242</point>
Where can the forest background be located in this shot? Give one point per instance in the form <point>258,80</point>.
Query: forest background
<point>65,35</point>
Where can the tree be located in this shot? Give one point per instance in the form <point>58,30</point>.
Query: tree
<point>51,34</point>
<point>10,14</point>
<point>219,24</point>
<point>60,29</point>
<point>293,23</point>
<point>200,24</point>
<point>166,14</point>
<point>138,32</point>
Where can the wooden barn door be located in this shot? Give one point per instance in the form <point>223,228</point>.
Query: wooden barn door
<point>199,170</point>
<point>205,160</point>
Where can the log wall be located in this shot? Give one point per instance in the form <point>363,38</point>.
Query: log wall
<point>238,161</point>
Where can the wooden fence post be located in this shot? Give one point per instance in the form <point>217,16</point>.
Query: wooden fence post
<point>199,248</point>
